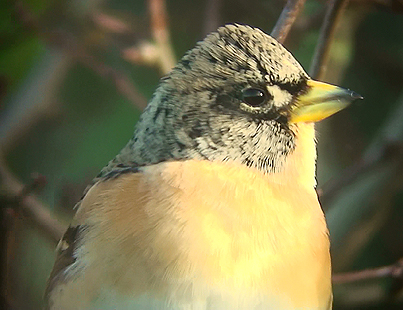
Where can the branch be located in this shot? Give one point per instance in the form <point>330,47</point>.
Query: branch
<point>37,98</point>
<point>391,271</point>
<point>159,28</point>
<point>286,19</point>
<point>122,81</point>
<point>320,58</point>
<point>18,195</point>
<point>110,23</point>
<point>70,44</point>
<point>37,184</point>
<point>211,17</point>
<point>145,53</point>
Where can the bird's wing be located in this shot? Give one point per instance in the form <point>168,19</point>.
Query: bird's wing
<point>115,252</point>
<point>74,253</point>
<point>64,258</point>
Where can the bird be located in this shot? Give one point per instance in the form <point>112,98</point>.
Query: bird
<point>212,203</point>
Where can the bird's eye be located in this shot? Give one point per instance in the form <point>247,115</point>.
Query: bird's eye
<point>254,97</point>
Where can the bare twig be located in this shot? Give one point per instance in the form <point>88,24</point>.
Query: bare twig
<point>306,23</point>
<point>143,53</point>
<point>391,271</point>
<point>332,16</point>
<point>110,23</point>
<point>159,27</point>
<point>70,45</point>
<point>286,19</point>
<point>122,81</point>
<point>29,205</point>
<point>212,16</point>
<point>35,101</point>
<point>37,184</point>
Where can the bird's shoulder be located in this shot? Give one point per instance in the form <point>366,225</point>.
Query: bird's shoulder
<point>69,245</point>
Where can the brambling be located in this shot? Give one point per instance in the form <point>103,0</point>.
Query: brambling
<point>212,203</point>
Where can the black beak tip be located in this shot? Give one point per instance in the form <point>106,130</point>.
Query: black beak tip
<point>355,95</point>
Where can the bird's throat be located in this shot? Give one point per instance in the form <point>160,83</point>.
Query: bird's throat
<point>244,229</point>
<point>299,166</point>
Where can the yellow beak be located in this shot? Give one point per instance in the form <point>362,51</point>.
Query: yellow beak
<point>320,101</point>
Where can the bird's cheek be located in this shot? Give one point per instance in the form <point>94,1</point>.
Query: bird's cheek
<point>281,97</point>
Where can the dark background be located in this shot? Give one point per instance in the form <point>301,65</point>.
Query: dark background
<point>72,79</point>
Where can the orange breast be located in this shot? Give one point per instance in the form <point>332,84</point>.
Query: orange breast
<point>195,230</point>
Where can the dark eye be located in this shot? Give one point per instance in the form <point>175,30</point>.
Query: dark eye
<point>254,97</point>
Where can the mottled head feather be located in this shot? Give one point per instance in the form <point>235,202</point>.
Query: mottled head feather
<point>238,53</point>
<point>198,112</point>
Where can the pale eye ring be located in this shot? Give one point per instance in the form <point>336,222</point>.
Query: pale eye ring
<point>254,97</point>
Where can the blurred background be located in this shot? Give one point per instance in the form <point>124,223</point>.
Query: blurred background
<point>75,75</point>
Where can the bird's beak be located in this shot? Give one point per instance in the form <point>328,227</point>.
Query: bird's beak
<point>320,101</point>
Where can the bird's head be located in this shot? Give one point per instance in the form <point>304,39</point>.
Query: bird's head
<point>239,96</point>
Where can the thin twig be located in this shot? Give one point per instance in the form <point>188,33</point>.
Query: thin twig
<point>122,81</point>
<point>391,271</point>
<point>332,16</point>
<point>159,27</point>
<point>16,193</point>
<point>211,16</point>
<point>286,19</point>
<point>307,23</point>
<point>145,53</point>
<point>70,44</point>
<point>37,99</point>
<point>110,23</point>
<point>37,184</point>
